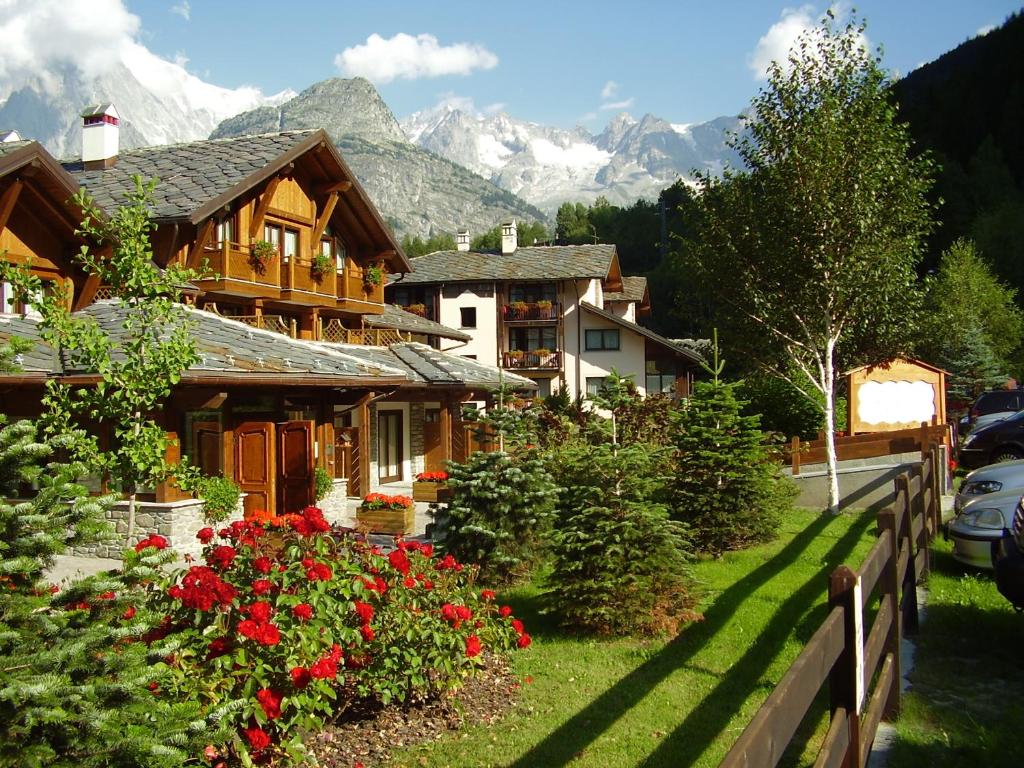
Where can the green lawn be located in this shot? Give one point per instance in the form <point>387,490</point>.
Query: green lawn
<point>967,703</point>
<point>608,703</point>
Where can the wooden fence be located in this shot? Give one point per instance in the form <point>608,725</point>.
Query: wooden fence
<point>860,665</point>
<point>865,446</point>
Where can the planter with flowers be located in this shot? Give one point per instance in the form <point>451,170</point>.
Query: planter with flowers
<point>261,253</point>
<point>320,266</point>
<point>431,486</point>
<point>386,514</point>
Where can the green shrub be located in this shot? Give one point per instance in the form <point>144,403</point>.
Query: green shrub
<point>323,483</point>
<point>619,561</point>
<point>220,498</point>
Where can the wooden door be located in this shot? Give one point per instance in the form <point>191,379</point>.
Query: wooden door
<point>433,450</point>
<point>255,466</point>
<point>389,446</point>
<point>296,483</point>
<point>206,447</point>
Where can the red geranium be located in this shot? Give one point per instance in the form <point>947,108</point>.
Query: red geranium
<point>222,556</point>
<point>473,646</point>
<point>205,535</point>
<point>259,611</point>
<point>319,572</point>
<point>300,677</point>
<point>487,594</point>
<point>323,669</point>
<point>155,540</point>
<point>270,700</point>
<point>399,561</point>
<point>262,586</point>
<point>517,625</point>
<point>303,611</point>
<point>367,632</point>
<point>524,640</point>
<point>263,564</point>
<point>505,611</point>
<point>268,634</point>
<point>258,738</point>
<point>364,611</point>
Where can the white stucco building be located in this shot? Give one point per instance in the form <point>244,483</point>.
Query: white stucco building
<point>563,316</point>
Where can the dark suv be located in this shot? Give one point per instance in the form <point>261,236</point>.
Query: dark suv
<point>999,401</point>
<point>995,442</point>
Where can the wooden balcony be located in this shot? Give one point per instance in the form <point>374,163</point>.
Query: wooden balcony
<point>302,285</point>
<point>531,312</point>
<point>235,271</point>
<point>531,361</point>
<point>355,294</point>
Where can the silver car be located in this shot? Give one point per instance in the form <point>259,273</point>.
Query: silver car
<point>981,523</point>
<point>1005,476</point>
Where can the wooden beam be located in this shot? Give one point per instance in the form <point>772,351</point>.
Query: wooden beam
<point>172,246</point>
<point>261,207</point>
<point>354,224</point>
<point>364,443</point>
<point>88,292</point>
<point>333,186</point>
<point>322,219</point>
<point>7,201</point>
<point>202,237</point>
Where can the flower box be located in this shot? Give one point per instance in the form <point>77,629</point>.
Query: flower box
<point>431,491</point>
<point>380,513</point>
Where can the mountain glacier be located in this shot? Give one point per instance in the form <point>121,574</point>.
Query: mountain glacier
<point>548,166</point>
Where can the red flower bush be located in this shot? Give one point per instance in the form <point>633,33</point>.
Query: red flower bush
<point>382,501</point>
<point>155,540</point>
<point>298,625</point>
<point>432,477</point>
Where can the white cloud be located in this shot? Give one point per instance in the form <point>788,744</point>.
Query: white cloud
<point>588,116</point>
<point>183,9</point>
<point>41,38</point>
<point>624,104</point>
<point>403,56</point>
<point>609,90</point>
<point>495,108</point>
<point>780,38</point>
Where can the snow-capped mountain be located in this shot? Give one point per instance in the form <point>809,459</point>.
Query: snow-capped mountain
<point>159,101</point>
<point>548,166</point>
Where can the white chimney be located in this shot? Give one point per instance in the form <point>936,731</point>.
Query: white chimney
<point>462,240</point>
<point>7,136</point>
<point>509,237</point>
<point>99,136</point>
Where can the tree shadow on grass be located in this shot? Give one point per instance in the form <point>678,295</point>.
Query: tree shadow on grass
<point>564,743</point>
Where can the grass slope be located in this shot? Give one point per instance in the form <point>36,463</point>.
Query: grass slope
<point>609,703</point>
<point>966,706</point>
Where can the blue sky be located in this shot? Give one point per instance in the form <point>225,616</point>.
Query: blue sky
<point>552,62</point>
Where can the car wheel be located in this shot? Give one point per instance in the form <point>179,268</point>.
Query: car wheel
<point>1006,454</point>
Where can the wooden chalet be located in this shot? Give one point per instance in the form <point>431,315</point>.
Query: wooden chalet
<point>302,364</point>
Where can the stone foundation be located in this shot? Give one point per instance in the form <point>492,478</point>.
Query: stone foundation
<point>335,504</point>
<point>177,521</point>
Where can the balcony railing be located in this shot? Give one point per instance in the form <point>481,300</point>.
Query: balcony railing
<point>420,310</point>
<point>532,361</point>
<point>517,311</point>
<point>333,331</point>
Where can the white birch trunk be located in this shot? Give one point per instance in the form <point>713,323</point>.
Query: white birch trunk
<point>828,389</point>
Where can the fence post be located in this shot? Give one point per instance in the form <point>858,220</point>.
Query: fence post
<point>918,508</point>
<point>923,438</point>
<point>891,592</point>
<point>794,454</point>
<point>908,589</point>
<point>938,484</point>
<point>846,680</point>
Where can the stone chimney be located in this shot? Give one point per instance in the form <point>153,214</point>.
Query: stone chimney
<point>509,237</point>
<point>462,240</point>
<point>99,136</point>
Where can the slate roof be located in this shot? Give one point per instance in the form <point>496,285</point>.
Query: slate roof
<point>397,318</point>
<point>8,147</point>
<point>190,174</point>
<point>428,365</point>
<point>542,262</point>
<point>645,332</point>
<point>231,350</point>
<point>633,289</point>
<point>40,359</point>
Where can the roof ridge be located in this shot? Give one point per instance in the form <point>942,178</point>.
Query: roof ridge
<point>224,140</point>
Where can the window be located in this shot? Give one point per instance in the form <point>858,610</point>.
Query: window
<point>224,232</point>
<point>661,383</point>
<point>602,339</point>
<point>533,292</point>
<point>291,244</point>
<point>272,234</point>
<point>468,315</point>
<point>594,384</point>
<point>543,387</point>
<point>529,339</point>
<point>335,251</point>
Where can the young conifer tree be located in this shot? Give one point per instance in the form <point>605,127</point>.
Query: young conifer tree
<point>727,487</point>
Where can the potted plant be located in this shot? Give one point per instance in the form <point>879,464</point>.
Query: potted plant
<point>544,308</point>
<point>373,276</point>
<point>519,309</point>
<point>261,252</point>
<point>380,513</point>
<point>320,266</point>
<point>515,356</point>
<point>541,353</point>
<point>417,309</point>
<point>431,486</point>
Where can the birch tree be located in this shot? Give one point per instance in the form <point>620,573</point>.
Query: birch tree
<point>811,249</point>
